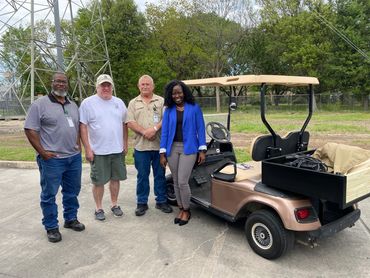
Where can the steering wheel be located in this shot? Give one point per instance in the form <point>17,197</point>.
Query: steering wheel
<point>218,132</point>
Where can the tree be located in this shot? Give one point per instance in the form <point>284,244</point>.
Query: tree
<point>125,35</point>
<point>196,41</point>
<point>351,64</point>
<point>16,57</point>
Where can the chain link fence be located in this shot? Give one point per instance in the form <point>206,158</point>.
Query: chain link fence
<point>324,102</point>
<point>12,107</point>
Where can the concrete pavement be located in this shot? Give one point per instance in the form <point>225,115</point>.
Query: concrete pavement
<point>151,245</point>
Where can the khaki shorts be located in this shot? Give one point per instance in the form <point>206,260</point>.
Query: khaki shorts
<point>108,167</point>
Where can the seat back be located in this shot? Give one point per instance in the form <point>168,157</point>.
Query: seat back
<point>262,147</point>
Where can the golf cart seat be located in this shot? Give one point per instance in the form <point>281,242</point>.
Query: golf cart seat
<point>231,172</point>
<point>262,147</point>
<point>226,172</point>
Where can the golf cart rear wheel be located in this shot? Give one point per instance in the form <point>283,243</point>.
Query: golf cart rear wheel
<point>171,197</point>
<point>267,236</point>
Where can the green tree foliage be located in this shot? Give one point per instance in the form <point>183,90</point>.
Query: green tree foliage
<point>187,39</point>
<point>16,57</point>
<point>350,66</point>
<point>301,38</point>
<point>125,35</point>
<point>195,43</point>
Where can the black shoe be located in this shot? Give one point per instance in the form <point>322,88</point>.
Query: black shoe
<point>141,209</point>
<point>166,208</point>
<point>178,218</point>
<point>75,225</point>
<point>54,235</point>
<point>185,221</point>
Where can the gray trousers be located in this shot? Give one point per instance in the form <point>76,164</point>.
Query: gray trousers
<point>181,165</point>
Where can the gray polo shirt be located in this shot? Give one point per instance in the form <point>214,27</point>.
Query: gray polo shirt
<point>56,123</point>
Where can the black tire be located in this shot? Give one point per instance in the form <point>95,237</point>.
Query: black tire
<point>267,236</point>
<point>171,198</point>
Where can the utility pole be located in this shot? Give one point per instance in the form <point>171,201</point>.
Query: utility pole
<point>58,37</point>
<point>32,44</point>
<point>78,65</point>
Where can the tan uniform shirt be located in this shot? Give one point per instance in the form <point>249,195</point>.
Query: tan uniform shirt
<point>146,115</point>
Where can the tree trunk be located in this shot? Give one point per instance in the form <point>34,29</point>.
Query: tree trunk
<point>218,105</point>
<point>366,102</point>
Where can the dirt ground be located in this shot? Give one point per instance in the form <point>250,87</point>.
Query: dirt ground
<point>11,132</point>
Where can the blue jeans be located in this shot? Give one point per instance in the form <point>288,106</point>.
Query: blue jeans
<point>143,160</point>
<point>55,172</point>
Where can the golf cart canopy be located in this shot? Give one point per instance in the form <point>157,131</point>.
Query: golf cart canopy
<point>245,80</point>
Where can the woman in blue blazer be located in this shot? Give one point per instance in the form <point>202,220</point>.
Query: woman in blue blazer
<point>183,140</point>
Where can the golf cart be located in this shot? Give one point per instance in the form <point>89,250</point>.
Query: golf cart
<point>279,199</point>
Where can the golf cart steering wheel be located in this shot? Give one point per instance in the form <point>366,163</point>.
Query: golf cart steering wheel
<point>218,132</point>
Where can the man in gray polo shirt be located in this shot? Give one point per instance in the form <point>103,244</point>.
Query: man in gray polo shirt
<point>52,127</point>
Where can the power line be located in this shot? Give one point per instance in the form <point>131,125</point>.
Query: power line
<point>341,35</point>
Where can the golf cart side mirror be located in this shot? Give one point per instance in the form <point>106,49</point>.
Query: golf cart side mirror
<point>233,105</point>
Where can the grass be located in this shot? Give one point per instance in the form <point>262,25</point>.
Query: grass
<point>27,153</point>
<point>16,147</point>
<point>17,153</point>
<point>320,122</point>
<point>242,154</point>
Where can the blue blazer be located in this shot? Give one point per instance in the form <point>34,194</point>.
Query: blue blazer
<point>193,129</point>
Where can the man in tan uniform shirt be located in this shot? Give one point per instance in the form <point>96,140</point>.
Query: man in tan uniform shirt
<point>145,119</point>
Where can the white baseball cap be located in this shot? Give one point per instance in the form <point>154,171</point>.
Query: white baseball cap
<point>104,78</point>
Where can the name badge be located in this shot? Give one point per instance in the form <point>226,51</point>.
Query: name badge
<point>155,118</point>
<point>70,122</point>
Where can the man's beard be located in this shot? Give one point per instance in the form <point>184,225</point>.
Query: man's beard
<point>60,93</point>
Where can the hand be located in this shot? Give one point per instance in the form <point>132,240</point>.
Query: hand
<point>201,157</point>
<point>163,160</point>
<point>150,134</point>
<point>89,155</point>
<point>125,150</point>
<point>47,155</point>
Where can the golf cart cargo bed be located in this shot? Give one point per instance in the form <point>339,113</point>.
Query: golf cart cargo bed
<point>343,190</point>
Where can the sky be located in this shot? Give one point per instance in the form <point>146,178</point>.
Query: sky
<point>141,4</point>
<point>8,16</point>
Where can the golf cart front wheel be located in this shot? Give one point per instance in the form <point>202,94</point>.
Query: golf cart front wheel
<point>171,197</point>
<point>267,236</point>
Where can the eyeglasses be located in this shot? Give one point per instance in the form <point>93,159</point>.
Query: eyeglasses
<point>60,81</point>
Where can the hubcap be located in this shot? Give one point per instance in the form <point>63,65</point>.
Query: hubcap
<point>262,236</point>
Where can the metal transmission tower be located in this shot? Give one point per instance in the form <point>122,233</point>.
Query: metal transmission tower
<point>37,38</point>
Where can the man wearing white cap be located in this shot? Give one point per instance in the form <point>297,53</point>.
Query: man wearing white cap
<point>104,135</point>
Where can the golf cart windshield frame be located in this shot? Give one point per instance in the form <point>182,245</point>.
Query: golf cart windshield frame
<point>263,81</point>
